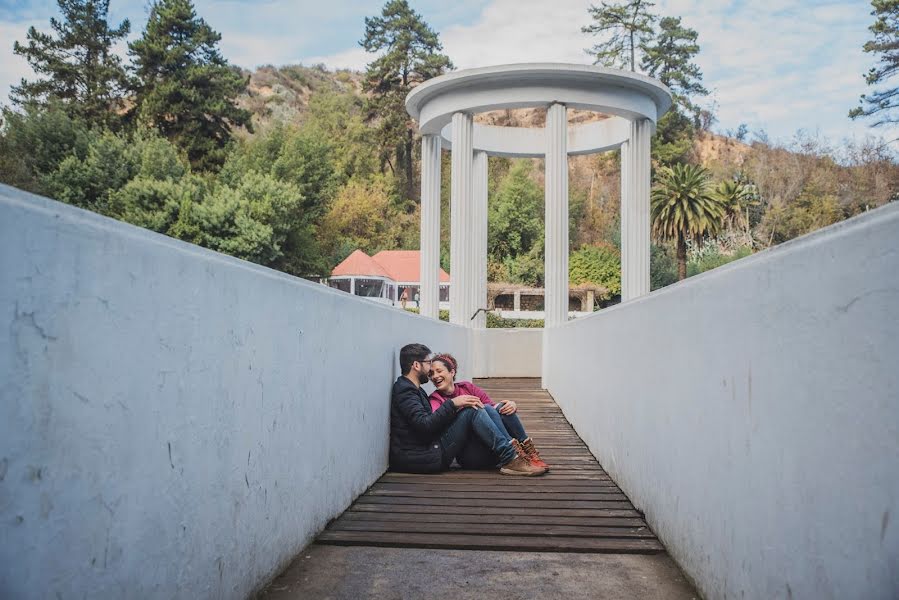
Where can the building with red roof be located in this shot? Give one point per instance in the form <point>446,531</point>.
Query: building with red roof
<point>404,266</point>
<point>385,277</point>
<point>359,264</point>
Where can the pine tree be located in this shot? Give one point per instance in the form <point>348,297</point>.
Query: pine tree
<point>885,46</point>
<point>629,24</point>
<point>412,55</point>
<point>83,76</point>
<point>668,56</point>
<point>185,88</point>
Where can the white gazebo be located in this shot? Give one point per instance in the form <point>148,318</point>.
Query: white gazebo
<point>444,108</point>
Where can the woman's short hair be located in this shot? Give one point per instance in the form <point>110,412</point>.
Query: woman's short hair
<point>448,361</point>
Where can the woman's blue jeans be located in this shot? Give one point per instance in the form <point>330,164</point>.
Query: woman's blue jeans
<point>473,426</point>
<point>476,454</point>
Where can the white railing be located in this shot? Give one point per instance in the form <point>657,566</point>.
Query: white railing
<point>175,423</point>
<point>753,413</point>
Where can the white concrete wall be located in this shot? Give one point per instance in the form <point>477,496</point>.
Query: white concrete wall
<point>175,423</point>
<point>753,413</point>
<point>505,353</point>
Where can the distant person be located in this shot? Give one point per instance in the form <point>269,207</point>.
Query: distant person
<point>417,297</point>
<point>505,415</point>
<point>426,441</point>
<point>404,297</point>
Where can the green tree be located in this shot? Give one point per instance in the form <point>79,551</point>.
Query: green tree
<point>359,217</point>
<point>737,196</point>
<point>682,207</point>
<point>81,73</point>
<point>813,209</point>
<point>252,220</point>
<point>627,26</point>
<point>885,46</point>
<point>668,56</point>
<point>34,142</point>
<point>157,204</point>
<point>599,265</point>
<point>86,181</point>
<point>301,158</point>
<point>184,87</point>
<point>339,119</point>
<point>293,156</point>
<point>515,215</point>
<point>411,55</point>
<point>90,178</point>
<point>674,138</point>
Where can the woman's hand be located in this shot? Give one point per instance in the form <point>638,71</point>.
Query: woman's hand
<point>508,408</point>
<point>461,402</point>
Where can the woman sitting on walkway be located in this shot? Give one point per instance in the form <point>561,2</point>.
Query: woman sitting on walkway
<point>476,455</point>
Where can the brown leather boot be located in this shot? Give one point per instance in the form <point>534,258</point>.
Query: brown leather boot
<point>520,465</point>
<point>530,450</point>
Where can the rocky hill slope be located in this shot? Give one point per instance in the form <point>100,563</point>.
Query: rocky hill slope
<point>282,94</point>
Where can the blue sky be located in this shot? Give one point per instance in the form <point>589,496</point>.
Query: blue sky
<point>777,65</point>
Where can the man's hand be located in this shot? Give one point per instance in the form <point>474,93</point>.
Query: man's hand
<point>508,408</point>
<point>461,402</point>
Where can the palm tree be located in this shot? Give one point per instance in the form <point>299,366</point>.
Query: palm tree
<point>736,197</point>
<point>682,207</point>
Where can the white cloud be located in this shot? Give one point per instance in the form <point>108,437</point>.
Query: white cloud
<point>500,35</point>
<point>515,31</point>
<point>353,58</point>
<point>13,67</point>
<point>779,65</point>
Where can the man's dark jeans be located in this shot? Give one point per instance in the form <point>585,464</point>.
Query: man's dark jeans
<point>476,425</point>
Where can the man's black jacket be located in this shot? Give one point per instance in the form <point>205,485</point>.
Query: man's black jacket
<point>415,431</point>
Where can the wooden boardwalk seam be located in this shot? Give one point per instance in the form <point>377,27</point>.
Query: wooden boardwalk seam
<point>576,507</point>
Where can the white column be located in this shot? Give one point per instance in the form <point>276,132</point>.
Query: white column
<point>460,221</point>
<point>625,198</point>
<point>479,233</point>
<point>635,169</point>
<point>556,171</point>
<point>430,226</point>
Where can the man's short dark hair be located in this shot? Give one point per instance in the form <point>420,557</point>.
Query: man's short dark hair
<point>410,353</point>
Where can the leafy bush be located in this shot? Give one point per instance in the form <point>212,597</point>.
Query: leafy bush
<point>662,267</point>
<point>443,314</point>
<point>713,259</point>
<point>36,141</point>
<point>152,203</point>
<point>525,269</point>
<point>495,321</point>
<point>107,164</point>
<point>599,265</point>
<point>251,220</point>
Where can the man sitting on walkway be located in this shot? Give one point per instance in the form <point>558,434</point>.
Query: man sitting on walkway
<point>426,442</point>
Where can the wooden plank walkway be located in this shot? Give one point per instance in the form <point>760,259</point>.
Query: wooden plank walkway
<point>576,507</point>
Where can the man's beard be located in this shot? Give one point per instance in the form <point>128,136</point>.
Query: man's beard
<point>423,378</point>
